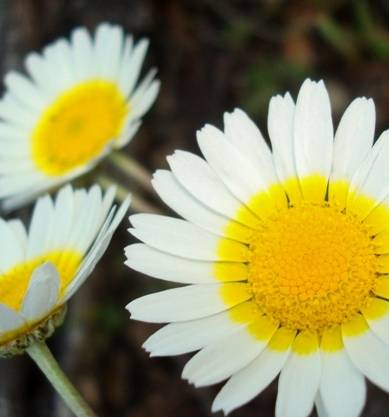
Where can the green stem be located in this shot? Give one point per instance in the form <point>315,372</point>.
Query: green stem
<point>132,168</point>
<point>42,356</point>
<point>138,204</point>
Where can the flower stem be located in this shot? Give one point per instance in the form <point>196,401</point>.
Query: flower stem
<point>138,203</point>
<point>132,168</point>
<point>42,356</point>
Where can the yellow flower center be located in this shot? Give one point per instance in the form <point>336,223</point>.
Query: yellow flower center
<point>312,266</point>
<point>14,283</point>
<point>77,126</point>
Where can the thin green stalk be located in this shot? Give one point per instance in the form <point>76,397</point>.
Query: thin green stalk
<point>138,204</point>
<point>132,168</point>
<point>42,356</point>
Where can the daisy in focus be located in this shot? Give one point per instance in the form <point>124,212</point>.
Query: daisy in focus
<point>287,255</point>
<point>79,100</point>
<point>42,268</point>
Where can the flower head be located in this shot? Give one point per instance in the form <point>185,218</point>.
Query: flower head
<point>79,101</point>
<point>286,251</point>
<point>42,268</point>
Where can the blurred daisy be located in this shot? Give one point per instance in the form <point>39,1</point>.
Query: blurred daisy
<point>42,268</point>
<point>79,101</point>
<point>287,252</point>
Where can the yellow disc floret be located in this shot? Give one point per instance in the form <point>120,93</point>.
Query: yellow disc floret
<point>312,266</point>
<point>77,126</point>
<point>14,283</point>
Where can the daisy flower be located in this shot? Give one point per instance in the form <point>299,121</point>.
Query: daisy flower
<point>42,268</point>
<point>287,255</point>
<point>79,100</point>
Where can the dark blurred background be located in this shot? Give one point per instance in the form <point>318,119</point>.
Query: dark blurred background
<point>212,55</point>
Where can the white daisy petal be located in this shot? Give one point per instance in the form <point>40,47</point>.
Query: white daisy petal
<point>320,409</point>
<point>12,166</point>
<point>177,198</point>
<point>88,265</point>
<point>248,140</point>
<point>13,112</point>
<point>188,336</point>
<point>55,57</point>
<point>181,304</point>
<point>161,265</point>
<point>42,293</point>
<point>100,245</point>
<point>196,176</point>
<point>127,79</point>
<point>41,74</point>
<point>108,200</point>
<point>40,227</point>
<point>28,190</point>
<point>145,95</point>
<point>246,384</point>
<point>20,232</point>
<point>238,175</point>
<point>12,252</point>
<point>25,91</point>
<point>219,360</point>
<point>371,179</point>
<point>313,131</point>
<point>128,45</point>
<point>9,319</point>
<point>353,139</point>
<point>60,53</point>
<point>182,238</point>
<point>380,327</point>
<point>128,133</point>
<point>82,53</point>
<point>85,231</point>
<point>120,213</point>
<point>9,135</point>
<point>142,88</point>
<point>80,214</point>
<point>371,356</point>
<point>280,127</point>
<point>342,386</point>
<point>108,37</point>
<point>14,150</point>
<point>64,203</point>
<point>298,384</point>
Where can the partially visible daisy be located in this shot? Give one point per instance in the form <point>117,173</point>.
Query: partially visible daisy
<point>287,254</point>
<point>79,101</point>
<point>40,269</point>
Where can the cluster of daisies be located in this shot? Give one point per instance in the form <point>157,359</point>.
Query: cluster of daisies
<point>285,251</point>
<point>79,100</point>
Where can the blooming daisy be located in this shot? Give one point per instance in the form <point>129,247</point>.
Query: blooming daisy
<point>287,254</point>
<point>79,101</point>
<point>42,268</point>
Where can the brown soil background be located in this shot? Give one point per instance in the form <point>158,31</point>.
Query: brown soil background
<point>211,56</point>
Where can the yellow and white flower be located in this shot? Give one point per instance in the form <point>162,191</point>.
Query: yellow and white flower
<point>287,254</point>
<point>42,268</point>
<point>79,101</point>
